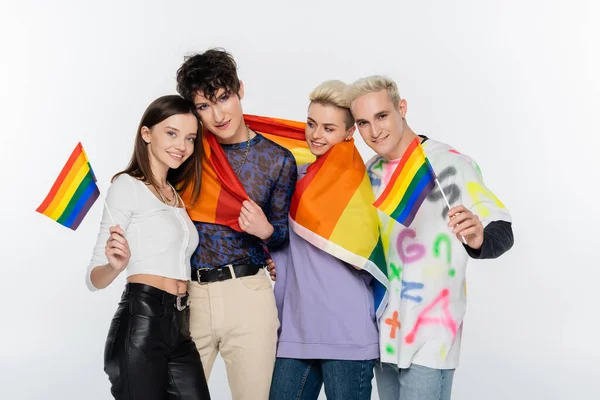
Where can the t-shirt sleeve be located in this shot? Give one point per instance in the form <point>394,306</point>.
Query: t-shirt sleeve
<point>498,238</point>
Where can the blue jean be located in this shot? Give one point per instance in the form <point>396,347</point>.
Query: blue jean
<point>295,379</point>
<point>414,383</point>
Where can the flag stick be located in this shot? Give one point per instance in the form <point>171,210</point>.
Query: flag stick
<point>108,209</point>
<point>448,204</point>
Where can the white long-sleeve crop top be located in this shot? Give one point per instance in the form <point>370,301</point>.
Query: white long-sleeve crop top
<point>161,238</point>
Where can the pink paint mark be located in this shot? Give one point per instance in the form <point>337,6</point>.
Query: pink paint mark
<point>446,320</point>
<point>388,171</point>
<point>414,252</point>
<point>453,151</point>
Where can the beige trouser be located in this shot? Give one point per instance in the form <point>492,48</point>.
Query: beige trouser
<point>238,318</point>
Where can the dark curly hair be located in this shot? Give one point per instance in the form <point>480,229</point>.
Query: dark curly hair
<point>207,73</point>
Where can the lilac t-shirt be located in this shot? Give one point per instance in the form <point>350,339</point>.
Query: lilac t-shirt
<point>325,306</point>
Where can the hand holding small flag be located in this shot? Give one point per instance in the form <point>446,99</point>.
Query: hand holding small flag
<point>466,226</point>
<point>412,181</point>
<point>117,249</point>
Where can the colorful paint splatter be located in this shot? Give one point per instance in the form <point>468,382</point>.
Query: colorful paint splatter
<point>423,319</point>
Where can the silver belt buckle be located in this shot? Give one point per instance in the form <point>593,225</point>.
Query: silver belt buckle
<point>198,276</point>
<point>178,304</point>
<point>231,271</point>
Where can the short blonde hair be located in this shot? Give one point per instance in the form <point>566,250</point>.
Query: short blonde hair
<point>332,93</point>
<point>372,84</point>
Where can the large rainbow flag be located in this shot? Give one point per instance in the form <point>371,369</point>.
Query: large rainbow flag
<point>222,193</point>
<point>73,193</point>
<point>332,209</point>
<point>412,181</point>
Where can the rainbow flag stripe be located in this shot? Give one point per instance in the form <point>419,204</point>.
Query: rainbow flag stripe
<point>412,181</point>
<point>222,193</point>
<point>73,193</point>
<point>286,133</point>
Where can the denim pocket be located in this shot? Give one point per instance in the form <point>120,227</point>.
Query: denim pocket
<point>110,340</point>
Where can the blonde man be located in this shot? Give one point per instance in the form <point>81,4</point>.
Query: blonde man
<point>328,330</point>
<point>420,331</point>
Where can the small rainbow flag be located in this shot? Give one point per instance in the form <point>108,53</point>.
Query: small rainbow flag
<point>73,193</point>
<point>412,180</point>
<point>222,193</point>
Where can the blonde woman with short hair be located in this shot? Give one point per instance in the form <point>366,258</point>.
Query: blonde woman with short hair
<point>328,332</point>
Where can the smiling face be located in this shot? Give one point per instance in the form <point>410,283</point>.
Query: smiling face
<point>224,116</point>
<point>210,81</point>
<point>380,123</point>
<point>326,127</point>
<point>170,142</point>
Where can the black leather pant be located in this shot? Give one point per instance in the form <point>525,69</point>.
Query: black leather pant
<point>149,354</point>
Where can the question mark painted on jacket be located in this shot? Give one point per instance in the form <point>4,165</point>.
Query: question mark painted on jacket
<point>440,240</point>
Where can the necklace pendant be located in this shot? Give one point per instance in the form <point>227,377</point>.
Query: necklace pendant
<point>244,159</point>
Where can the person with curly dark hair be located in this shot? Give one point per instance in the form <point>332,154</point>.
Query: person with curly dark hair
<point>232,304</point>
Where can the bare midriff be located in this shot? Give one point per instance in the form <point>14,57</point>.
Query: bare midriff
<point>170,285</point>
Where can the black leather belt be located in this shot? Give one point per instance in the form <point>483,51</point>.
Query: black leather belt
<point>208,275</point>
<point>168,299</point>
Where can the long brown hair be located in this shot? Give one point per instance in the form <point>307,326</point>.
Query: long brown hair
<point>188,174</point>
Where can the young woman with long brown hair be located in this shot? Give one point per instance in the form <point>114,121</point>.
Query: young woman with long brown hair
<point>146,230</point>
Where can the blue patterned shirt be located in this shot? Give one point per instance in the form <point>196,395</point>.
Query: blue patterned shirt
<point>269,177</point>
